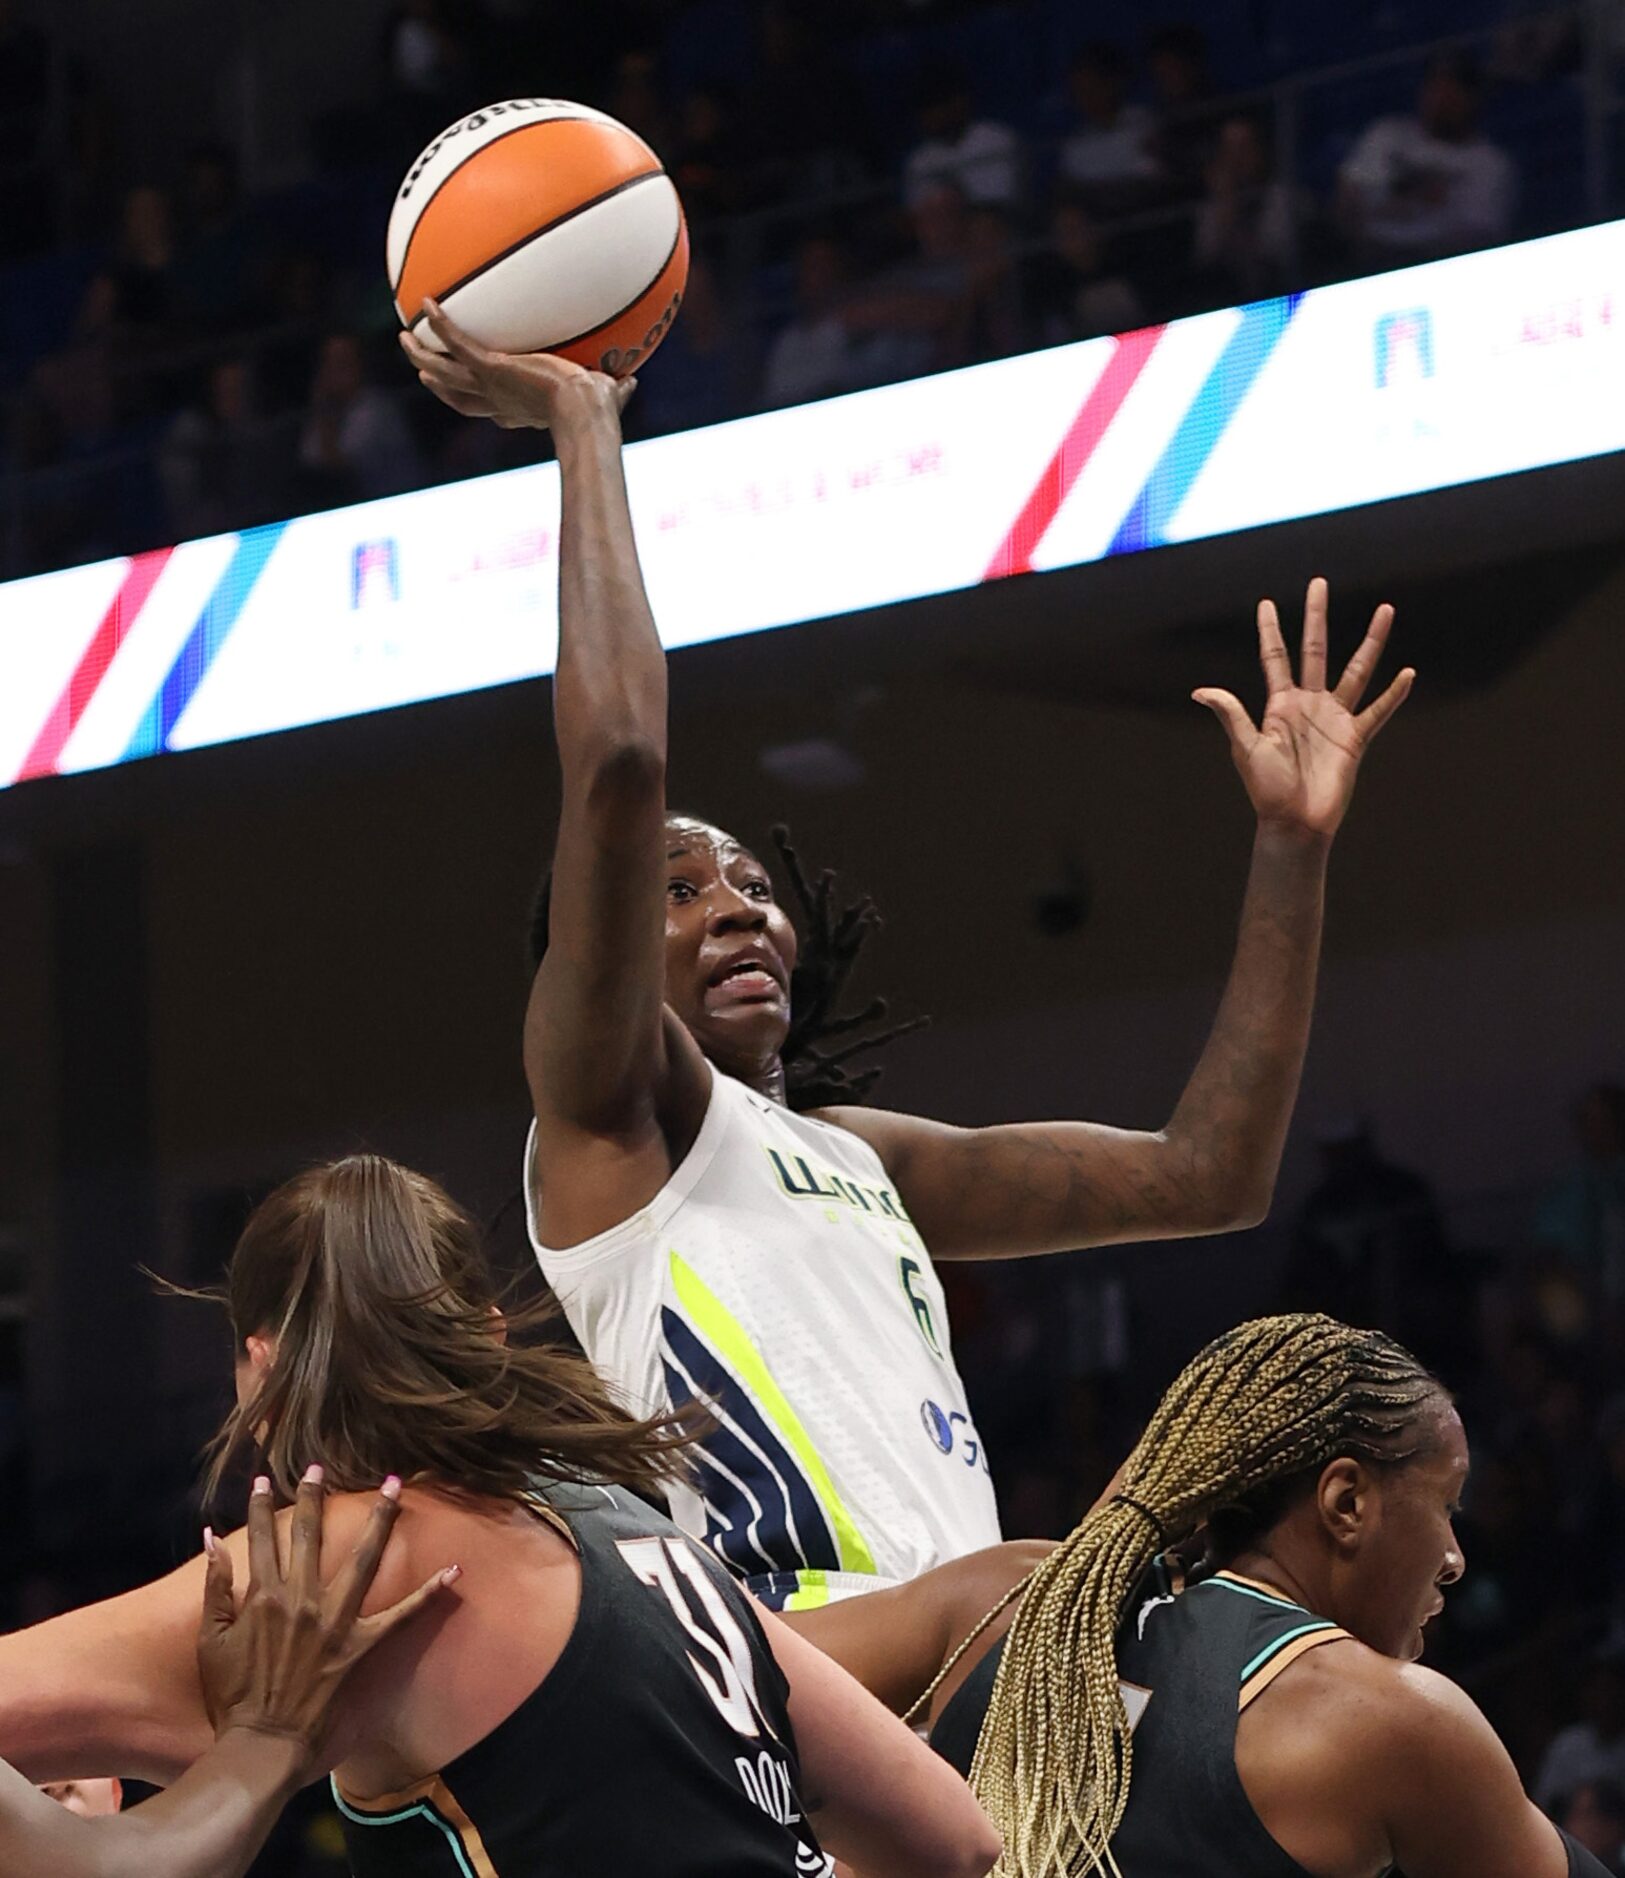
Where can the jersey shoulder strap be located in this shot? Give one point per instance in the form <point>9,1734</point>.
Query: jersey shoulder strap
<point>1267,1631</point>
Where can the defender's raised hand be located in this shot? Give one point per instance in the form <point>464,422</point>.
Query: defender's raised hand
<point>1299,763</point>
<point>277,1666</point>
<point>519,391</point>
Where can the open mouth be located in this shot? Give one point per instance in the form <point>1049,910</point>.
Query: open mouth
<point>746,978</point>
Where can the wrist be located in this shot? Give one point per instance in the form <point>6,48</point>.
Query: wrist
<point>584,416</point>
<point>275,1754</point>
<point>1293,838</point>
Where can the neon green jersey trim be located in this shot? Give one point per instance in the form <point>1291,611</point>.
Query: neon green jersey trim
<point>712,1318</point>
<point>814,1592</point>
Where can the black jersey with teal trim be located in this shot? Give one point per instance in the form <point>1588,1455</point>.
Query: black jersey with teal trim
<point>658,1746</point>
<point>1189,1659</point>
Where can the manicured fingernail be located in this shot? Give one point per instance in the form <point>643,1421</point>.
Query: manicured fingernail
<point>211,1545</point>
<point>262,1483</point>
<point>450,1575</point>
<point>313,1474</point>
<point>391,1489</point>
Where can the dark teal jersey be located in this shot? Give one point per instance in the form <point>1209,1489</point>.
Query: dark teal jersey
<point>658,1746</point>
<point>1189,1659</point>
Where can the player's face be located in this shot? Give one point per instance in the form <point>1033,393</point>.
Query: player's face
<point>90,1799</point>
<point>1409,1550</point>
<point>730,949</point>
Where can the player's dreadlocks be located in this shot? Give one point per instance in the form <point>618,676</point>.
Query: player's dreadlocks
<point>832,936</point>
<point>1261,1410</point>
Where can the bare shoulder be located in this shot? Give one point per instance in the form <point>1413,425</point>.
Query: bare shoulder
<point>1350,1703</point>
<point>1354,1761</point>
<point>433,1530</point>
<point>890,1133</point>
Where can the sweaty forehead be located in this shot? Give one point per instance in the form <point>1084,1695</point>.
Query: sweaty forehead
<point>1445,1453</point>
<point>686,835</point>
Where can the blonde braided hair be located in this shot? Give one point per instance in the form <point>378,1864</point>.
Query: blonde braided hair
<point>1258,1409</point>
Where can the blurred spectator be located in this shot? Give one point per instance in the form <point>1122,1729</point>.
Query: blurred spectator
<point>994,317</point>
<point>911,314</point>
<point>428,62</point>
<point>1516,1578</point>
<point>135,290</point>
<point>1366,1237</point>
<point>1593,1748</point>
<point>1594,1815</point>
<point>298,304</point>
<point>356,444</point>
<point>981,157</point>
<point>222,465</point>
<point>636,98</point>
<point>1111,159</point>
<point>1246,227</point>
<point>694,377</point>
<point>1431,184</point>
<point>212,274</point>
<point>815,356</point>
<point>1073,291</point>
<point>1187,120</point>
<point>1605,1533</point>
<point>801,110</point>
<point>1582,1216</point>
<point>708,161</point>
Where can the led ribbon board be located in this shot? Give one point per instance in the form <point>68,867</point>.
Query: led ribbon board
<point>1436,375</point>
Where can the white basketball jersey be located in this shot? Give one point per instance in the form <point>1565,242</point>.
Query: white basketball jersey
<point>777,1279</point>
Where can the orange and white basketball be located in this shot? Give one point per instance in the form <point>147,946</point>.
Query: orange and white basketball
<point>542,226</point>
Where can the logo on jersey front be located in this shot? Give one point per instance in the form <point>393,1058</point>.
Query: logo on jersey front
<point>937,1426</point>
<point>802,1181</point>
<point>952,1432</point>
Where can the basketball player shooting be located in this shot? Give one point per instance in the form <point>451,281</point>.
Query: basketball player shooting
<point>720,1218</point>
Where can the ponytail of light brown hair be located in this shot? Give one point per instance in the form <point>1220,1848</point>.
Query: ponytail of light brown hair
<point>1254,1415</point>
<point>391,1353</point>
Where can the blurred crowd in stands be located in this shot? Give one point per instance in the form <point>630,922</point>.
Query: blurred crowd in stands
<point>877,189</point>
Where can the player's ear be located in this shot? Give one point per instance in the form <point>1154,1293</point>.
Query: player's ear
<point>1342,1498</point>
<point>499,1325</point>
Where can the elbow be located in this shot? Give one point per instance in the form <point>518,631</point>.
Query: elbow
<point>971,1850</point>
<point>978,1855</point>
<point>1247,1207</point>
<point>973,1854</point>
<point>1222,1197</point>
<point>1236,1210</point>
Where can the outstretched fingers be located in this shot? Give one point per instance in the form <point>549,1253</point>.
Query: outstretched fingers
<point>1272,652</point>
<point>354,1580</point>
<point>264,1566</point>
<point>372,1630</point>
<point>305,1550</point>
<point>219,1606</point>
<point>458,344</point>
<point>1312,663</point>
<point>451,381</point>
<point>1378,712</point>
<point>1232,713</point>
<point>1357,673</point>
